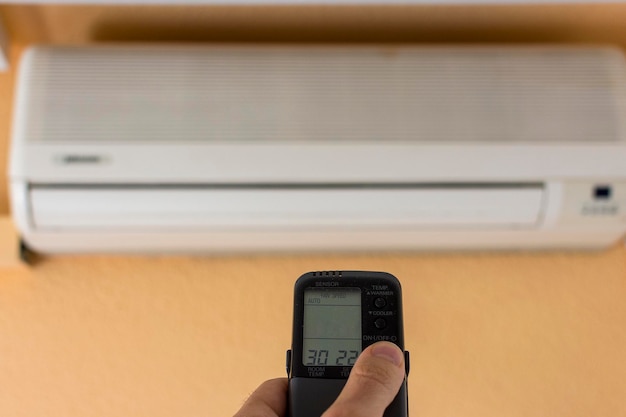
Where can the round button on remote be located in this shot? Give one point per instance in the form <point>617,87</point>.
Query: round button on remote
<point>380,323</point>
<point>380,302</point>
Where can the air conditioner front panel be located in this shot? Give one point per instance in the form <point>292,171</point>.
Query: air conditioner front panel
<point>198,208</point>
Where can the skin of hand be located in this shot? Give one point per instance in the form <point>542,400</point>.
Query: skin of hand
<point>374,382</point>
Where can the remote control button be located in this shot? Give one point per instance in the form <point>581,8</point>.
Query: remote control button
<point>407,362</point>
<point>288,362</point>
<point>380,302</point>
<point>380,323</point>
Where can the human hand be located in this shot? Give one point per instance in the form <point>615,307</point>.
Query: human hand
<point>374,382</point>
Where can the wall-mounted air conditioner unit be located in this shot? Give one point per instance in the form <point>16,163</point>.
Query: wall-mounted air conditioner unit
<point>222,148</point>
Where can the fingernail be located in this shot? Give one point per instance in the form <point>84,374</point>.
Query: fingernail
<point>388,351</point>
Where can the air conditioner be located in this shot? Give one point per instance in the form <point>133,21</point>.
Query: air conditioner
<point>262,148</point>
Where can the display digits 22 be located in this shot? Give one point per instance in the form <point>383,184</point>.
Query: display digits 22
<point>336,316</point>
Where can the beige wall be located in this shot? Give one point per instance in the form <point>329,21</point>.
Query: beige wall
<point>500,334</point>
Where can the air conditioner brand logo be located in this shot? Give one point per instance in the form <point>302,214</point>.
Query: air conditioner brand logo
<point>81,159</point>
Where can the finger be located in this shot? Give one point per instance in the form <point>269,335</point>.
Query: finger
<point>374,382</point>
<point>268,400</point>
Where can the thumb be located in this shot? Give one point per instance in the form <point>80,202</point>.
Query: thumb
<point>374,382</point>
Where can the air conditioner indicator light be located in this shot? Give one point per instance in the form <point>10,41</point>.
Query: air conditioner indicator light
<point>602,192</point>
